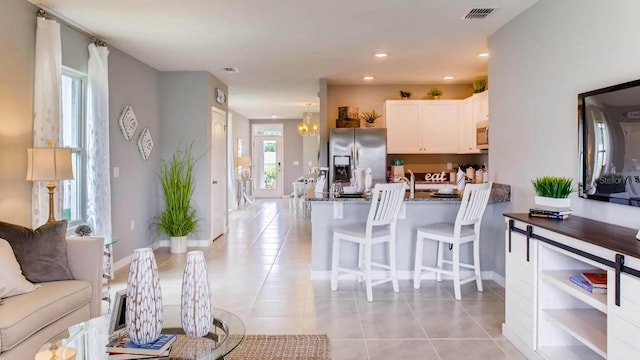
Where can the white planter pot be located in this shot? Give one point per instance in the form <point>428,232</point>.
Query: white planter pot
<point>552,202</point>
<point>178,244</point>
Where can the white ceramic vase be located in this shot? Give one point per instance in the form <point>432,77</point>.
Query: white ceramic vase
<point>552,202</point>
<point>144,298</point>
<point>196,312</point>
<point>177,244</point>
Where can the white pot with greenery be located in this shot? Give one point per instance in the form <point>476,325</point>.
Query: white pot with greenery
<point>553,191</point>
<point>179,218</point>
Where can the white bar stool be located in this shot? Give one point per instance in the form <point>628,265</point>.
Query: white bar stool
<point>465,230</point>
<point>386,200</point>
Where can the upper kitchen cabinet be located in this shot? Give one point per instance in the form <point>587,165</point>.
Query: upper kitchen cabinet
<point>480,105</point>
<point>466,128</point>
<point>422,126</point>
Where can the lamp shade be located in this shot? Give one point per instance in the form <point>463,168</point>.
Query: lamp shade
<point>49,164</point>
<point>244,160</point>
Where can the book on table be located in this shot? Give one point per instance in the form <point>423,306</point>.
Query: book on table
<point>550,210</point>
<point>549,216</point>
<point>581,282</point>
<point>596,279</point>
<point>124,345</point>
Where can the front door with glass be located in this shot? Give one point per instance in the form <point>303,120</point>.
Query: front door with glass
<point>267,163</point>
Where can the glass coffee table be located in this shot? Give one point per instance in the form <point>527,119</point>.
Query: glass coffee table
<point>89,338</point>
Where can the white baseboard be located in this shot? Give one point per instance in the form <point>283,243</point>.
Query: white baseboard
<point>408,275</point>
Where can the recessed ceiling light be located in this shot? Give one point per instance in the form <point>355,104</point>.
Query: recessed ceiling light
<point>368,78</point>
<point>274,116</point>
<point>448,77</point>
<point>381,55</point>
<point>484,54</point>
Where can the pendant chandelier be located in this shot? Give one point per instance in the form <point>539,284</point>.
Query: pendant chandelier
<point>306,127</point>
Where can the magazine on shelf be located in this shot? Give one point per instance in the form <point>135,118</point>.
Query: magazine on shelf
<point>596,279</point>
<point>581,282</point>
<point>124,345</point>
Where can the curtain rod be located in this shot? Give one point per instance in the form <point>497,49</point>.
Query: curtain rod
<point>92,38</point>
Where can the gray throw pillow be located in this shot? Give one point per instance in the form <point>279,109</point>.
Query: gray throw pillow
<point>41,253</point>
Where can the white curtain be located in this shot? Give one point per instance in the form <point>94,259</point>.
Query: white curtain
<point>98,175</point>
<point>46,107</point>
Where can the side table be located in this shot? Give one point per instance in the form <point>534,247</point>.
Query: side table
<point>244,190</point>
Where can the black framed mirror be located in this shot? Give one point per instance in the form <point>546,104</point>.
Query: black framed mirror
<point>610,144</point>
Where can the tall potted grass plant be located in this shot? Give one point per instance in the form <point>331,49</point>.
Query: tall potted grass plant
<point>179,217</point>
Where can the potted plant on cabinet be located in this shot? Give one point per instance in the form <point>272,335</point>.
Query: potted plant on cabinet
<point>479,86</point>
<point>435,93</point>
<point>553,191</point>
<point>369,118</point>
<point>179,218</point>
<point>405,94</point>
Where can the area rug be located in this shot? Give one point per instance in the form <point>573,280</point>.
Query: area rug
<point>282,347</point>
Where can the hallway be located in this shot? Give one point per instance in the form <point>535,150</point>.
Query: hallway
<point>260,271</point>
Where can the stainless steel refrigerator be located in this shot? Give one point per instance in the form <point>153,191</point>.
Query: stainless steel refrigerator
<point>351,149</point>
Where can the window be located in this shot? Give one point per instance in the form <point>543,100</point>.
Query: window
<point>73,136</point>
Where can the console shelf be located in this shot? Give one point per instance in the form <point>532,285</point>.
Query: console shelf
<point>560,279</point>
<point>589,326</point>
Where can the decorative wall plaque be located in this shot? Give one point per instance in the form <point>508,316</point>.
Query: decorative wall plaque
<point>128,122</point>
<point>145,143</point>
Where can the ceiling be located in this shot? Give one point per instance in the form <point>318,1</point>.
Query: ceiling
<point>282,48</point>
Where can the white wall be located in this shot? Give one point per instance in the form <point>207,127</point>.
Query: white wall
<point>539,62</point>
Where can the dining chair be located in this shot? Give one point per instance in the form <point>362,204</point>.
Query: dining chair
<point>465,230</point>
<point>380,228</point>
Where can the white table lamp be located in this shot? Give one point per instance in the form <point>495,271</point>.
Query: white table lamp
<point>49,164</point>
<point>244,162</point>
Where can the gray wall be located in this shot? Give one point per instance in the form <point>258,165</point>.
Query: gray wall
<point>535,75</point>
<point>135,193</point>
<point>186,98</point>
<point>17,59</point>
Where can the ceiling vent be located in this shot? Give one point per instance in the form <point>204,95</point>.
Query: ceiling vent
<point>475,14</point>
<point>231,70</point>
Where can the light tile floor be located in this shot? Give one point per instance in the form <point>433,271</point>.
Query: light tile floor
<point>260,271</point>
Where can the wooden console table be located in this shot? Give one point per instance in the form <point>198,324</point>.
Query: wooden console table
<point>549,317</point>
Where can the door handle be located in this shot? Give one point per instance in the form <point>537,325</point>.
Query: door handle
<point>214,182</point>
<point>279,166</point>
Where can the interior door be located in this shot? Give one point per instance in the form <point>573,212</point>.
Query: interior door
<point>218,172</point>
<point>267,166</point>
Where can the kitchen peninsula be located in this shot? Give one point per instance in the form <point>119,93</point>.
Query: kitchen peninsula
<point>328,212</point>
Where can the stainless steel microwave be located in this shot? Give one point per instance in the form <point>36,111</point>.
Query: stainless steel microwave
<point>482,134</point>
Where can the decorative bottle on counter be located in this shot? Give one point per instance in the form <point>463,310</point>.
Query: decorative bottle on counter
<point>460,180</point>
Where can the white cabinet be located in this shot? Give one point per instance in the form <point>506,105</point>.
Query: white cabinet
<point>480,106</point>
<point>520,296</point>
<point>547,316</point>
<point>466,128</point>
<point>422,126</point>
<point>403,126</point>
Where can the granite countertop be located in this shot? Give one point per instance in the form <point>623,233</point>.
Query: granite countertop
<point>499,193</point>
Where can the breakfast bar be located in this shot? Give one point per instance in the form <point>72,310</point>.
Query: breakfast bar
<point>426,207</point>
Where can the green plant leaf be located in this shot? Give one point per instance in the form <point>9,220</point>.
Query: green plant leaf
<point>176,176</point>
<point>553,186</point>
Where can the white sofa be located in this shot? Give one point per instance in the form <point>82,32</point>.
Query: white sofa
<point>30,320</point>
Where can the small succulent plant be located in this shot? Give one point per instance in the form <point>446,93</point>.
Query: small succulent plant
<point>435,92</point>
<point>370,117</point>
<point>405,94</point>
<point>83,230</point>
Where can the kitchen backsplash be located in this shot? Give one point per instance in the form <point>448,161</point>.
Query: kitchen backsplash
<point>438,162</point>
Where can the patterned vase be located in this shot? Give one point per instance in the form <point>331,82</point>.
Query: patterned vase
<point>196,312</point>
<point>144,298</point>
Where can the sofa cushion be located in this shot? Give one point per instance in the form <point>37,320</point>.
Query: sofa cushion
<point>12,282</point>
<point>23,315</point>
<point>42,253</point>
